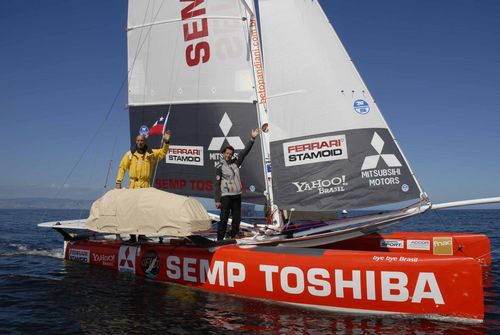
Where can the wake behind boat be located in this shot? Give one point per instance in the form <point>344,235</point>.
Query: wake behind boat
<point>328,148</point>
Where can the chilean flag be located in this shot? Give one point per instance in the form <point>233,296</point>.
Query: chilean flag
<point>157,128</point>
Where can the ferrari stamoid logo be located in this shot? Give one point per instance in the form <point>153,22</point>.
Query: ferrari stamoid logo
<point>217,142</point>
<point>371,162</point>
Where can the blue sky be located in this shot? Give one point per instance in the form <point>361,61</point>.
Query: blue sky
<point>432,66</point>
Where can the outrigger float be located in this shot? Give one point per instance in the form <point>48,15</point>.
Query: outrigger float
<point>198,65</point>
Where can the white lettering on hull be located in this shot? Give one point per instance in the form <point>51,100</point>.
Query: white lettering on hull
<point>371,285</point>
<point>393,284</point>
<point>199,271</point>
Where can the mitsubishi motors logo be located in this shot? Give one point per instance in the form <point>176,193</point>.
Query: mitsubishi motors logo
<point>217,142</point>
<point>371,162</point>
<point>126,258</point>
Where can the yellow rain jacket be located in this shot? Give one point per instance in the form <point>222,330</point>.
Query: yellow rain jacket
<point>140,166</point>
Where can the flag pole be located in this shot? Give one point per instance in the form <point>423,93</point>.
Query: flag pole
<point>161,143</point>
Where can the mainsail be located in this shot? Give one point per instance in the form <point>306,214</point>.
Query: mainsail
<point>331,148</point>
<point>190,60</point>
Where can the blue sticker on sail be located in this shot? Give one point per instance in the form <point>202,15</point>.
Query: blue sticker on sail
<point>143,130</point>
<point>405,188</point>
<point>268,167</point>
<point>361,107</point>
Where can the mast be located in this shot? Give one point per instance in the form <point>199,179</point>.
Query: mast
<point>262,113</point>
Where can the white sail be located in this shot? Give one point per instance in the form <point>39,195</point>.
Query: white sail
<point>191,60</point>
<point>188,51</point>
<point>330,146</point>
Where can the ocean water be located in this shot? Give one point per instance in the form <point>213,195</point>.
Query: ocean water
<point>41,293</point>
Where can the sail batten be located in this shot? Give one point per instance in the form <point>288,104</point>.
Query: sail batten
<point>184,102</point>
<point>237,18</point>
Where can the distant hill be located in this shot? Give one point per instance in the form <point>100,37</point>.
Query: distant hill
<point>44,203</point>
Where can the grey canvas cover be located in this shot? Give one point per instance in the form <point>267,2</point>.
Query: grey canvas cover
<point>147,211</point>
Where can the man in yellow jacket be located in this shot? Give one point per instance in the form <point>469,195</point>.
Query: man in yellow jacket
<point>140,162</point>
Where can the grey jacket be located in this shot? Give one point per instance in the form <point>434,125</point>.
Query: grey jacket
<point>227,175</point>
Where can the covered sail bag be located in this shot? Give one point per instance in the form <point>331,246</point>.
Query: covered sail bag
<point>147,211</point>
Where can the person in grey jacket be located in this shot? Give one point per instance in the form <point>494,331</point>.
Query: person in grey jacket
<point>228,187</point>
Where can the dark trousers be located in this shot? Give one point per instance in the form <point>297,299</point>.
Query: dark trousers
<point>229,203</point>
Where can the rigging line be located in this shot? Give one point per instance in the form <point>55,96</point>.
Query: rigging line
<point>172,67</point>
<point>140,35</point>
<point>148,48</point>
<point>161,143</point>
<point>94,135</point>
<point>146,68</point>
<point>107,114</point>
<point>441,220</point>
<point>113,149</point>
<point>170,96</point>
<point>139,48</point>
<point>97,131</point>
<point>141,45</point>
<point>88,183</point>
<point>109,168</point>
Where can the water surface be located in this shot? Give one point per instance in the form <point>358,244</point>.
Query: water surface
<point>41,293</point>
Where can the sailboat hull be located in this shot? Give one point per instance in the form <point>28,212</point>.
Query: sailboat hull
<point>367,282</point>
<point>476,246</point>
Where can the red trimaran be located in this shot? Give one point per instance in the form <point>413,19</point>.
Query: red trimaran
<point>202,65</point>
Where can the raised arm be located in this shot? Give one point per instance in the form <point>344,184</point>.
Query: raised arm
<point>241,156</point>
<point>163,151</point>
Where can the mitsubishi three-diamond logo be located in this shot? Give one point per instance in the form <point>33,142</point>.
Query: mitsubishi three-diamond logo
<point>126,258</point>
<point>371,162</point>
<point>234,141</point>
